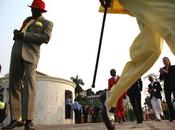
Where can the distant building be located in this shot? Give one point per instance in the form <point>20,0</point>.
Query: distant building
<point>51,93</point>
<point>94,100</point>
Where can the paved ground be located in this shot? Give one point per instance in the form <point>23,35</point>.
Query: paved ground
<point>148,125</point>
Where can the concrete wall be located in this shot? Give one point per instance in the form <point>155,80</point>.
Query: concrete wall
<point>50,99</point>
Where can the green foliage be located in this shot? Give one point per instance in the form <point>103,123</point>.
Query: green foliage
<point>78,82</point>
<point>130,115</point>
<point>83,101</point>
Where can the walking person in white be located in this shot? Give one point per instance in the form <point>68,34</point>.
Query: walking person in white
<point>154,88</point>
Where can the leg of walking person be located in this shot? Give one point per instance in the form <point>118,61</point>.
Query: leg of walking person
<point>155,108</point>
<point>135,107</point>
<point>139,108</point>
<point>157,14</point>
<point>169,103</point>
<point>159,108</point>
<point>144,51</point>
<point>147,46</point>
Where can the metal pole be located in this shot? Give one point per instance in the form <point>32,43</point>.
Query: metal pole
<point>99,48</point>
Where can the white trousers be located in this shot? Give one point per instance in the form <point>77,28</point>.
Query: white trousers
<point>156,21</point>
<point>157,107</point>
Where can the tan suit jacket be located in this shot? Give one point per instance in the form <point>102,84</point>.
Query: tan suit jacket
<point>38,32</point>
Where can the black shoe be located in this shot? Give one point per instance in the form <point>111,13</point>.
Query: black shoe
<point>13,124</point>
<point>157,120</point>
<point>29,126</point>
<point>3,113</point>
<point>106,115</point>
<point>162,117</point>
<point>171,120</point>
<point>139,122</point>
<point>120,121</point>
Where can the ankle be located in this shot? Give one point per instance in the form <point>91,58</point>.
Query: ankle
<point>28,121</point>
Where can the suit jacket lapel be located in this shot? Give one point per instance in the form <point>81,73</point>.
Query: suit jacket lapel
<point>40,19</point>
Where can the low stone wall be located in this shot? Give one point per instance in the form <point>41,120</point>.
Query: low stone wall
<point>50,99</point>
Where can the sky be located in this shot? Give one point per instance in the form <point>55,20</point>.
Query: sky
<point>74,43</point>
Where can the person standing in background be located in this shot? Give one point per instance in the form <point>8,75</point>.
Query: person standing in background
<point>167,74</point>
<point>25,55</point>
<point>77,110</point>
<point>134,94</point>
<point>154,88</point>
<point>119,110</point>
<point>68,107</point>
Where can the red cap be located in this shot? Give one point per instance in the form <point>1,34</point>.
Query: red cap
<point>38,4</point>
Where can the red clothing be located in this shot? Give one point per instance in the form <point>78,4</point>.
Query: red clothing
<point>112,81</point>
<point>119,111</point>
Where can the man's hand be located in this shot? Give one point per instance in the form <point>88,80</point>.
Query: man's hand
<point>105,3</point>
<point>18,35</point>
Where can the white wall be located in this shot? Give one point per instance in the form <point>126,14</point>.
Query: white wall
<point>50,100</point>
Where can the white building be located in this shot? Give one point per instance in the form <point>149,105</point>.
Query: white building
<point>51,94</point>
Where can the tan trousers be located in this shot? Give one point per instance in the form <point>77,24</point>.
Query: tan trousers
<point>21,88</point>
<point>156,19</point>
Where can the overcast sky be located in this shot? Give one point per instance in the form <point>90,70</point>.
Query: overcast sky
<point>73,47</point>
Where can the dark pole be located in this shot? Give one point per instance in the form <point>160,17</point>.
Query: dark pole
<point>99,48</point>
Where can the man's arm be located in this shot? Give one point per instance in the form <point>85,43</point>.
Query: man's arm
<point>42,37</point>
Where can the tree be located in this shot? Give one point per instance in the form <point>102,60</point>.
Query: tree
<point>99,92</point>
<point>83,101</point>
<point>89,92</point>
<point>78,82</point>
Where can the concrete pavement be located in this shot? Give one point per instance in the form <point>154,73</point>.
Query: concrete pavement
<point>146,125</point>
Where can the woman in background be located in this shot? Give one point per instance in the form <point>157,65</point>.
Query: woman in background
<point>167,74</point>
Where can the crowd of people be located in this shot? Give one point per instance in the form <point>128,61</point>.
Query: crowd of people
<point>159,109</point>
<point>82,114</point>
<point>156,22</point>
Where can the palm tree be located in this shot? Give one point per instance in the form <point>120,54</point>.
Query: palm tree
<point>78,82</point>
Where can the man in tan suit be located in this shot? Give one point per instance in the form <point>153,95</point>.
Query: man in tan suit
<point>24,59</point>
